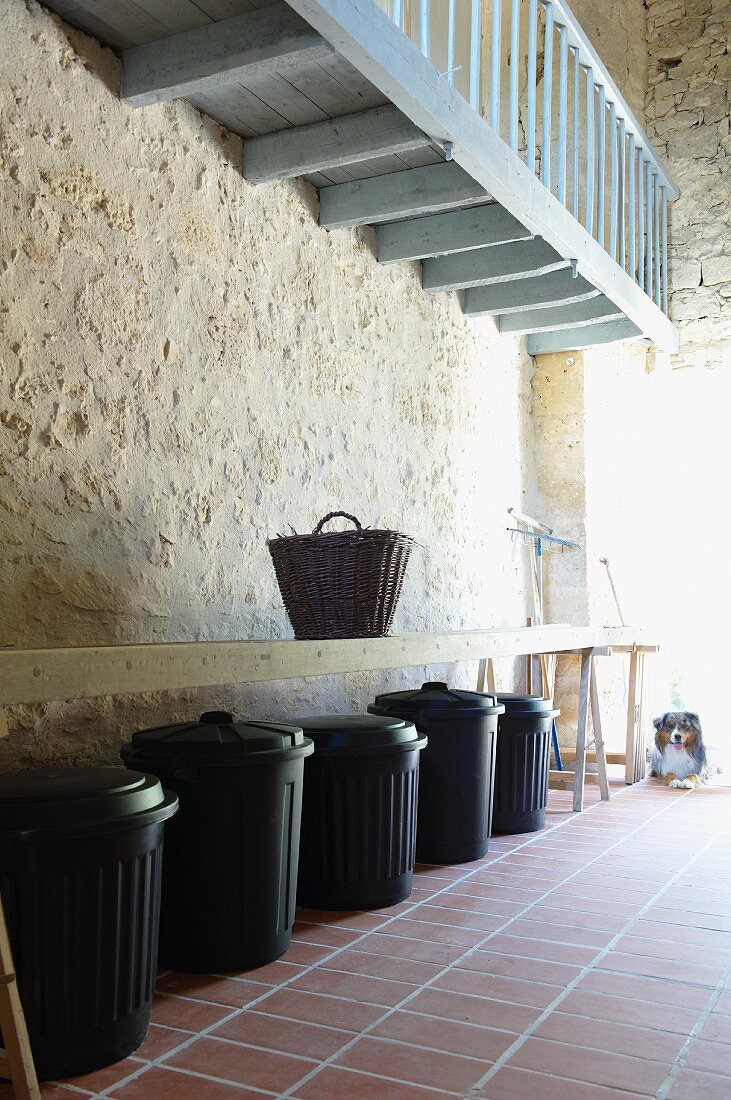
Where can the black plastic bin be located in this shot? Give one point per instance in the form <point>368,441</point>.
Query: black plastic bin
<point>359,812</point>
<point>521,767</point>
<point>456,769</point>
<point>230,873</point>
<point>80,861</point>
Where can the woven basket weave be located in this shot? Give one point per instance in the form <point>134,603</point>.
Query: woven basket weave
<point>341,584</point>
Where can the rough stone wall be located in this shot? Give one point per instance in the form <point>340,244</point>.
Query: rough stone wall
<point>616,29</point>
<point>688,113</point>
<point>189,365</point>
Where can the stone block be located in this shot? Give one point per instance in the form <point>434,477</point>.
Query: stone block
<point>717,269</point>
<point>685,274</point>
<point>695,143</point>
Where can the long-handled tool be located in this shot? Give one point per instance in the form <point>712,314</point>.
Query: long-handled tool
<point>541,538</point>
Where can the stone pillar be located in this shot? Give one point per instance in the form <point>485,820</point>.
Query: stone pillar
<point>559,419</point>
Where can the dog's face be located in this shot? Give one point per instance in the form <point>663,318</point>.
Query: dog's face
<point>681,729</point>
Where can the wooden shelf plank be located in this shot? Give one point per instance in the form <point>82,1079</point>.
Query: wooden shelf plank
<point>41,675</point>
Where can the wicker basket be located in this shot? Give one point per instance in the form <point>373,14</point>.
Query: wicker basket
<point>341,584</point>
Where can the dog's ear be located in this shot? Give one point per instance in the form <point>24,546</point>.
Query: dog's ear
<point>694,720</point>
<point>658,723</point>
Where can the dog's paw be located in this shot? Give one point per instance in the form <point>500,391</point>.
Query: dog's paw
<point>677,783</point>
<point>688,784</point>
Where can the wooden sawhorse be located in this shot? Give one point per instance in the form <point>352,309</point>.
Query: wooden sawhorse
<point>16,1060</point>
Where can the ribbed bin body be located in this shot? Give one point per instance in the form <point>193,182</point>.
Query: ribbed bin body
<point>83,910</point>
<point>456,770</point>
<point>230,877</point>
<point>359,812</point>
<point>83,924</point>
<point>522,764</point>
<point>456,791</point>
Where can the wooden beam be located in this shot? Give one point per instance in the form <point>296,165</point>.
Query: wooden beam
<point>370,41</point>
<point>572,339</point>
<point>485,266</point>
<point>595,310</point>
<point>331,144</point>
<point>40,675</point>
<point>241,48</point>
<point>440,234</point>
<point>398,195</point>
<point>518,295</point>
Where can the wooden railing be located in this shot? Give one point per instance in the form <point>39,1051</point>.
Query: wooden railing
<point>529,69</point>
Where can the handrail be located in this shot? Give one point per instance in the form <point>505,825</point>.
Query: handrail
<point>589,58</point>
<point>580,136</point>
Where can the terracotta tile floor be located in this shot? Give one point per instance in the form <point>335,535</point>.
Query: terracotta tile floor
<point>591,960</point>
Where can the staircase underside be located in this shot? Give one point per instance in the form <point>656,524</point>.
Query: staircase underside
<point>335,93</point>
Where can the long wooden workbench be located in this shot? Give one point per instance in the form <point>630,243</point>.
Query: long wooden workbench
<point>43,675</point>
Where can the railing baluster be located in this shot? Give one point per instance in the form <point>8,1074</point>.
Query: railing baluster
<point>648,229</point>
<point>620,198</point>
<point>424,17</point>
<point>631,184</point>
<point>563,64</point>
<point>547,96</point>
<point>397,13</point>
<point>450,39</point>
<point>656,234</point>
<point>475,53</point>
<point>601,164</point>
<point>640,219</point>
<point>514,71</point>
<point>497,11</point>
<point>531,115</point>
<point>664,194</point>
<point>613,189</point>
<point>575,162</point>
<point>589,220</point>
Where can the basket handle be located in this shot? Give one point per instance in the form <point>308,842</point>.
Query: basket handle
<point>332,515</point>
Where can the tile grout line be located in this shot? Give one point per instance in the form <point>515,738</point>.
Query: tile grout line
<point>520,1041</point>
<point>695,1032</point>
<point>106,1093</point>
<point>467,953</point>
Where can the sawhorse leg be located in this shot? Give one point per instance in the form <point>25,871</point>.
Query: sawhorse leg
<point>16,1060</point>
<point>589,698</point>
<point>581,728</point>
<point>486,676</point>
<point>634,768</point>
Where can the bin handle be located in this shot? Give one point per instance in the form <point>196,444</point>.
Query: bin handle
<point>333,515</point>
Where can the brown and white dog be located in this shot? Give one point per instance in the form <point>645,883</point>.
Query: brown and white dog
<point>679,755</point>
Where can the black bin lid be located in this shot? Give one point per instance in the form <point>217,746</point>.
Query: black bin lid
<point>217,738</point>
<point>62,798</point>
<point>517,705</point>
<point>437,696</point>
<point>361,733</point>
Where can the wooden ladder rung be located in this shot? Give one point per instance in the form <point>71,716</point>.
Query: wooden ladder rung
<point>565,776</point>
<point>612,757</point>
